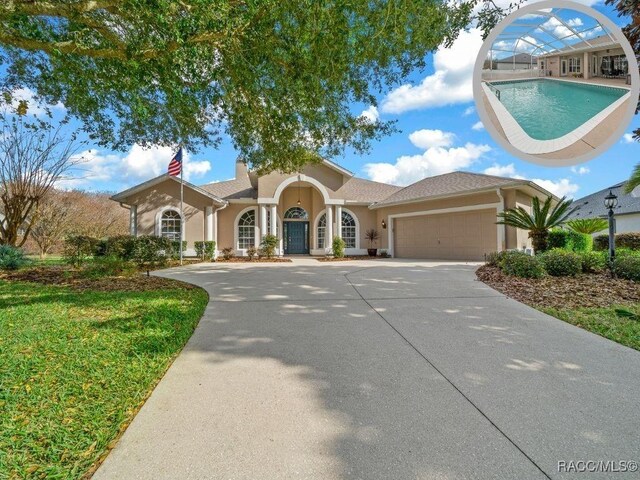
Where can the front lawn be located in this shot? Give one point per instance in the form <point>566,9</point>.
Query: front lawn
<point>607,306</point>
<point>77,362</point>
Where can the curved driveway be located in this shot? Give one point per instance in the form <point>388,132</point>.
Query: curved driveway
<point>379,370</point>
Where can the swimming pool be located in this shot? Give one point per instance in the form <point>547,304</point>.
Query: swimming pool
<point>549,109</point>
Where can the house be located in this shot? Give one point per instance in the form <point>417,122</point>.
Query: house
<point>627,212</point>
<point>450,216</point>
<point>519,61</point>
<point>598,57</point>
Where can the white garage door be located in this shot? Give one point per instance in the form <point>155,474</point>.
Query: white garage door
<point>446,236</point>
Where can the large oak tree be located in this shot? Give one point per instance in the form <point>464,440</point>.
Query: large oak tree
<point>277,76</point>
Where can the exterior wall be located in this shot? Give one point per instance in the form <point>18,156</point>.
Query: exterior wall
<point>152,201</point>
<point>509,66</point>
<point>330,178</point>
<point>226,223</point>
<point>628,223</point>
<point>586,65</point>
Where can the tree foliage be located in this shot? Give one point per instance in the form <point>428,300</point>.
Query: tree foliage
<point>278,76</point>
<point>541,219</point>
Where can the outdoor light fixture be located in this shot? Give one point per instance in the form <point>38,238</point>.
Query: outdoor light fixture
<point>384,224</point>
<point>299,202</point>
<point>610,202</point>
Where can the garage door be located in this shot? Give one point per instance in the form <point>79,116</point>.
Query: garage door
<point>446,236</point>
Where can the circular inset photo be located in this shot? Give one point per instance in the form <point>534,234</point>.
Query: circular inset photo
<point>556,83</point>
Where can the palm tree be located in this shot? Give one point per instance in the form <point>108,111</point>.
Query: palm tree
<point>634,180</point>
<point>539,221</point>
<point>588,225</point>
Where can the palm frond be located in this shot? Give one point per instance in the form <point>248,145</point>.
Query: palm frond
<point>634,180</point>
<point>588,225</point>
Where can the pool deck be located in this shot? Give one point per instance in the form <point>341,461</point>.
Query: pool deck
<point>588,142</point>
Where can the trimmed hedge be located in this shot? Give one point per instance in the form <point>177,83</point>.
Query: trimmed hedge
<point>520,264</point>
<point>78,249</point>
<point>628,267</point>
<point>205,250</point>
<point>561,263</point>
<point>629,240</point>
<point>579,242</point>
<point>338,245</point>
<point>558,239</point>
<point>593,262</point>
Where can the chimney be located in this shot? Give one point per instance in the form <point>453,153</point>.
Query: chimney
<point>241,169</point>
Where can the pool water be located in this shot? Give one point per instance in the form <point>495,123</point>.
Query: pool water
<point>548,109</point>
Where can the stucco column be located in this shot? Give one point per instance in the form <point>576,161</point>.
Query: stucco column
<point>133,220</point>
<point>339,221</point>
<point>586,69</point>
<point>274,221</point>
<point>209,224</point>
<point>215,231</point>
<point>329,228</point>
<point>263,220</point>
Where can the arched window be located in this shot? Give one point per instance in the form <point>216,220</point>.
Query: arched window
<point>247,230</point>
<point>296,213</point>
<point>348,230</point>
<point>171,225</point>
<point>322,228</point>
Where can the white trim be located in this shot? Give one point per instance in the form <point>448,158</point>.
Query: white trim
<point>355,218</point>
<point>391,222</point>
<point>243,200</point>
<point>183,223</point>
<point>522,141</point>
<point>256,230</point>
<point>122,196</point>
<point>208,215</point>
<point>302,178</point>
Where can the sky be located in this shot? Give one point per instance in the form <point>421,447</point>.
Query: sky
<point>439,132</point>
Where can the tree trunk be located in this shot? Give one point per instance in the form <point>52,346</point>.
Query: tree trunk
<point>539,241</point>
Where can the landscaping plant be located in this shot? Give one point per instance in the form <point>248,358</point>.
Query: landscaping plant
<point>151,251</point>
<point>269,244</point>
<point>543,217</point>
<point>588,225</point>
<point>228,253</point>
<point>561,263</point>
<point>372,236</point>
<point>593,262</point>
<point>11,258</point>
<point>251,253</point>
<point>630,240</point>
<point>205,250</point>
<point>109,266</point>
<point>78,249</point>
<point>337,246</point>
<point>627,266</point>
<point>521,264</point>
<point>558,238</point>
<point>175,248</point>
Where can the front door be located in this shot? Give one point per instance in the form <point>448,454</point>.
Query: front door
<point>296,238</point>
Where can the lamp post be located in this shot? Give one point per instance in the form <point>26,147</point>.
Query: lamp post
<point>610,202</point>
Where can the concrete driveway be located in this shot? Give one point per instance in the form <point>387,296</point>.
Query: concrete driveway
<point>380,370</point>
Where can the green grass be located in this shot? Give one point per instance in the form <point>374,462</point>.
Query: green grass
<point>49,260</point>
<point>75,367</point>
<point>618,323</point>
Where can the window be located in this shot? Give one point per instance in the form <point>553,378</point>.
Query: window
<point>322,228</point>
<point>296,213</point>
<point>574,65</point>
<point>348,230</point>
<point>247,230</point>
<point>171,225</point>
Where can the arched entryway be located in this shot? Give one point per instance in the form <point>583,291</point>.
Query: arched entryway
<point>296,231</point>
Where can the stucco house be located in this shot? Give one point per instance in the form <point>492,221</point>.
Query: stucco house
<point>627,212</point>
<point>450,216</point>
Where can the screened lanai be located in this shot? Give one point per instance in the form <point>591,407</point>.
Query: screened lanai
<point>557,42</point>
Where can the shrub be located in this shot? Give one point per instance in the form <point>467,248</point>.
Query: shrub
<point>109,266</point>
<point>338,245</point>
<point>593,262</point>
<point>228,253</point>
<point>150,251</point>
<point>119,246</point>
<point>558,239</point>
<point>384,254</point>
<point>205,250</point>
<point>493,259</point>
<point>579,242</point>
<point>561,263</point>
<point>520,264</point>
<point>268,245</point>
<point>11,258</point>
<point>628,267</point>
<point>252,252</point>
<point>78,248</point>
<point>629,240</point>
<point>174,248</point>
<point>601,242</point>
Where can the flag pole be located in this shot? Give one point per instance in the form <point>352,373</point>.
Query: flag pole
<point>181,206</point>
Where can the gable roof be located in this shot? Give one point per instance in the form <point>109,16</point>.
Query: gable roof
<point>519,58</point>
<point>232,189</point>
<point>122,196</point>
<point>365,191</point>
<point>593,205</point>
<point>454,183</point>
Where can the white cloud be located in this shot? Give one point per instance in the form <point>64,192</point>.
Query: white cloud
<point>468,111</point>
<point>449,84</point>
<point>560,187</point>
<point>628,138</point>
<point>139,164</point>
<point>431,138</point>
<point>580,170</point>
<point>34,106</point>
<point>371,114</point>
<point>477,126</point>
<point>440,156</point>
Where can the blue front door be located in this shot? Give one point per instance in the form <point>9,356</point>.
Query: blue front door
<point>296,237</point>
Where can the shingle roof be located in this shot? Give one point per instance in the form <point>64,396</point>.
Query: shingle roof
<point>232,189</point>
<point>520,58</point>
<point>446,184</point>
<point>593,205</point>
<point>361,190</point>
<point>601,41</point>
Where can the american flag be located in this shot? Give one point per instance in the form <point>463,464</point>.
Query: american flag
<point>175,165</point>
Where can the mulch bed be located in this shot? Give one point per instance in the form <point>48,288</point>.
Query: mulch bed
<point>346,258</point>
<point>74,279</point>
<point>588,290</point>
<point>255,260</point>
